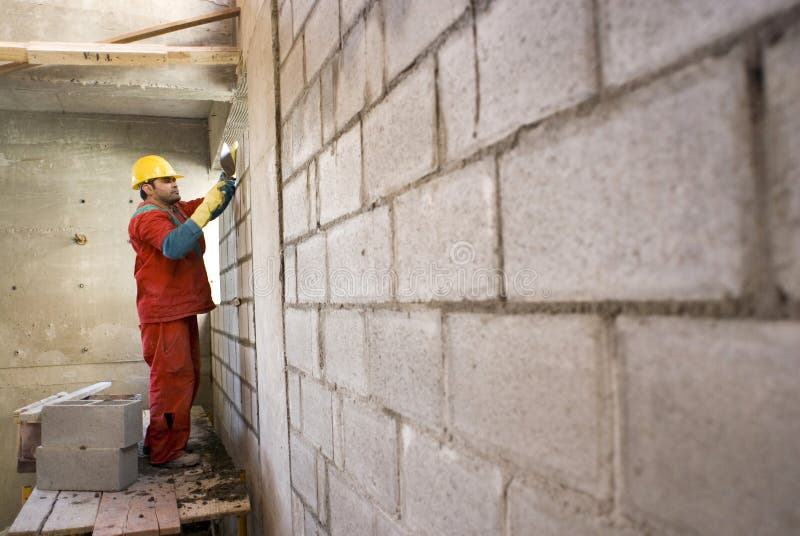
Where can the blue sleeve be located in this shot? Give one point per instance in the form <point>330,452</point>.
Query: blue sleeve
<point>181,240</point>
<point>228,189</point>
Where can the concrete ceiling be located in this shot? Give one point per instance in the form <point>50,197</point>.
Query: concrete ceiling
<point>186,91</point>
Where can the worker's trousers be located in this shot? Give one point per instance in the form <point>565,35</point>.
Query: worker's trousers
<point>172,351</point>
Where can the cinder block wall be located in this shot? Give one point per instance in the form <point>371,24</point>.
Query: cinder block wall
<point>540,263</point>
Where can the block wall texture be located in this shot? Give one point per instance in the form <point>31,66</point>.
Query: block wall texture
<point>539,266</point>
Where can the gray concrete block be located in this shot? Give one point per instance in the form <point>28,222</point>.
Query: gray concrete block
<point>290,274</point>
<point>359,258</point>
<point>92,423</point>
<point>411,25</point>
<point>370,457</point>
<point>405,362</point>
<point>533,387</point>
<point>328,102</point>
<point>640,36</point>
<point>350,9</point>
<point>322,488</point>
<point>345,349</point>
<point>306,127</point>
<point>296,207</point>
<point>340,176</point>
<point>312,270</point>
<point>86,469</point>
<point>351,75</point>
<point>285,35</point>
<point>400,133</point>
<point>350,514</point>
<point>583,220</point>
<point>458,85</point>
<point>317,415</point>
<point>292,78</point>
<point>302,346</point>
<point>388,527</point>
<point>375,53</point>
<point>544,513</point>
<point>710,427</point>
<point>300,11</point>
<point>782,78</point>
<point>293,390</point>
<point>534,58</point>
<point>304,470</point>
<point>321,35</point>
<point>446,493</point>
<point>446,238</point>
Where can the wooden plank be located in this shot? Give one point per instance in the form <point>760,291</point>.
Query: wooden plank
<point>141,519</point>
<point>74,512</point>
<point>125,55</point>
<point>112,513</point>
<point>169,27</point>
<point>34,513</point>
<point>95,54</point>
<point>33,414</point>
<point>146,33</point>
<point>13,51</point>
<point>39,404</point>
<point>203,56</point>
<point>169,521</point>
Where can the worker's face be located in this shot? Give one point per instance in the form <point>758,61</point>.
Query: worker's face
<point>165,190</point>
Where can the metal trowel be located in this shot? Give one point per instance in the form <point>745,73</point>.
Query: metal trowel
<point>227,159</point>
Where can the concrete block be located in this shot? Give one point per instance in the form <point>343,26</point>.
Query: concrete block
<point>340,176</point>
<point>387,527</point>
<point>517,41</point>
<point>300,11</point>
<point>295,207</point>
<point>86,469</point>
<point>540,512</point>
<point>311,526</point>
<point>710,429</point>
<point>322,488</point>
<point>446,237</point>
<point>292,78</point>
<point>446,493</point>
<point>287,164</point>
<point>411,25</point>
<point>375,53</point>
<point>359,258</point>
<point>306,126</point>
<point>344,345</point>
<point>350,11</point>
<point>317,415</point>
<point>640,37</point>
<point>370,457</point>
<point>302,341</point>
<point>304,470</point>
<point>405,362</point>
<point>328,104</point>
<point>351,75</point>
<point>92,423</point>
<point>458,87</point>
<point>285,35</point>
<point>311,270</point>
<point>400,134</point>
<point>298,510</point>
<point>551,371</point>
<point>293,390</point>
<point>290,274</point>
<point>321,35</point>
<point>583,220</point>
<point>782,77</point>
<point>338,434</point>
<point>350,514</point>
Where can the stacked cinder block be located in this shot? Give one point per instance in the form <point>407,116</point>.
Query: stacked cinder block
<point>89,445</point>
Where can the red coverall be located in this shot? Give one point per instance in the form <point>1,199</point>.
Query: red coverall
<point>170,295</point>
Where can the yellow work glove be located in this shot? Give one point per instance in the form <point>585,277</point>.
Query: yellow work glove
<point>207,210</point>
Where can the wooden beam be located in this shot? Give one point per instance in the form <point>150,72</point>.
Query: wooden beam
<point>145,33</point>
<point>13,51</point>
<point>125,55</point>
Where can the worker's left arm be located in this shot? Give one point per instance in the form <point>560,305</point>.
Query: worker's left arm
<point>178,243</point>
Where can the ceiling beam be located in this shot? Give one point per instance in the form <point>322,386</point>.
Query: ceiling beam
<point>138,35</point>
<point>125,55</point>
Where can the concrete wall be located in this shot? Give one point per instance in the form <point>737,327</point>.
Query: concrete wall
<point>68,316</point>
<point>540,265</point>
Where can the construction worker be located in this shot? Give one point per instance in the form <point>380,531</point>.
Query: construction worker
<point>172,289</point>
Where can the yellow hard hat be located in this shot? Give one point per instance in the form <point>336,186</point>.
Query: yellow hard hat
<point>150,167</point>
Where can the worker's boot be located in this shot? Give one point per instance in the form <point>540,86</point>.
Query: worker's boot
<point>184,460</point>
